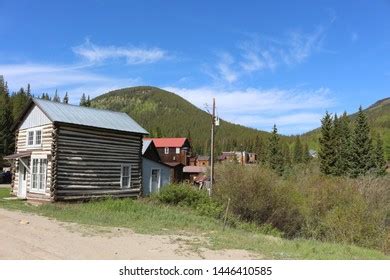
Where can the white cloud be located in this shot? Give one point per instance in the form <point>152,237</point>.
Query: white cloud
<point>133,55</point>
<point>75,79</point>
<point>293,110</point>
<point>266,54</point>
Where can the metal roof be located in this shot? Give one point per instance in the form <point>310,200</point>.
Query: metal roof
<point>145,145</point>
<point>72,114</point>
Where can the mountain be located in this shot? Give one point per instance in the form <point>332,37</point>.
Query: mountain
<point>165,114</point>
<point>378,115</point>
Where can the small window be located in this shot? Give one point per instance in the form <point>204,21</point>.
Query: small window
<point>34,138</point>
<point>38,137</point>
<point>177,151</point>
<point>30,139</point>
<point>125,176</point>
<point>166,150</point>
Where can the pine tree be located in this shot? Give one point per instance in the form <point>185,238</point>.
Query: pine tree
<point>66,98</point>
<point>286,155</point>
<point>343,145</point>
<point>297,151</point>
<point>306,154</point>
<point>275,154</point>
<point>362,160</point>
<point>327,152</point>
<point>379,158</point>
<point>56,97</point>
<point>19,100</point>
<point>28,92</point>
<point>83,100</point>
<point>88,102</point>
<point>6,136</point>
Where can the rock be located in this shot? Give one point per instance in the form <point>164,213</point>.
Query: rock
<point>24,222</point>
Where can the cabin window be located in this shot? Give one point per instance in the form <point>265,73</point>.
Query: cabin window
<point>177,151</point>
<point>166,150</point>
<point>30,139</point>
<point>38,137</point>
<point>125,176</point>
<point>38,174</point>
<point>34,137</point>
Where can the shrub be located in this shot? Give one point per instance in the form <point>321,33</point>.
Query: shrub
<point>189,196</point>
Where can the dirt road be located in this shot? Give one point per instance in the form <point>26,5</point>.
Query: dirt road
<point>27,236</point>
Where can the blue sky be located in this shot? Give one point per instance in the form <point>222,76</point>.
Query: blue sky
<point>266,62</point>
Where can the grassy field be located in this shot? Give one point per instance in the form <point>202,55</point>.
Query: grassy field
<point>143,216</point>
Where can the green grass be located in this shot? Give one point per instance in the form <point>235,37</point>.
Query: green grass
<point>143,216</point>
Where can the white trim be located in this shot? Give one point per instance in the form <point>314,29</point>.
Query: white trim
<point>129,184</point>
<point>166,150</point>
<point>34,131</point>
<point>178,153</point>
<point>31,189</point>
<point>159,179</point>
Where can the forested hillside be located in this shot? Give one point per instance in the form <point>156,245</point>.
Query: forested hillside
<point>165,114</point>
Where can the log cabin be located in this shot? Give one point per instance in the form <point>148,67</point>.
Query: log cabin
<point>67,152</point>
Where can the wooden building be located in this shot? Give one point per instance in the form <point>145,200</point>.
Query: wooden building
<point>67,152</point>
<point>173,150</point>
<point>155,174</point>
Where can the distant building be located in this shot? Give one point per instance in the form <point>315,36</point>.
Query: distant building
<point>313,153</point>
<point>173,150</point>
<point>195,174</point>
<point>239,157</point>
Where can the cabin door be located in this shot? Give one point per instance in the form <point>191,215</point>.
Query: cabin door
<point>22,188</point>
<point>155,180</point>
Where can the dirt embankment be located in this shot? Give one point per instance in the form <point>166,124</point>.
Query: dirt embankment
<point>27,236</point>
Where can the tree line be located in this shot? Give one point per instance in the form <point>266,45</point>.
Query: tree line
<point>348,148</point>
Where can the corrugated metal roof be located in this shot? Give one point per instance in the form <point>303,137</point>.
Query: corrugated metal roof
<point>168,142</point>
<point>72,114</point>
<point>145,145</point>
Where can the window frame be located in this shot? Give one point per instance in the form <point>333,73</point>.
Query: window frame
<point>37,190</point>
<point>34,137</point>
<point>129,176</point>
<point>166,150</point>
<point>178,149</point>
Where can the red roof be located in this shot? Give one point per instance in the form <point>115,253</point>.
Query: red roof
<point>168,142</point>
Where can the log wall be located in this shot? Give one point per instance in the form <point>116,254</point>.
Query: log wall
<point>87,163</point>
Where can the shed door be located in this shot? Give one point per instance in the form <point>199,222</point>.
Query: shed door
<point>155,180</point>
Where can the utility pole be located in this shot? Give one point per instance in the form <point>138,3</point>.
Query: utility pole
<point>212,148</point>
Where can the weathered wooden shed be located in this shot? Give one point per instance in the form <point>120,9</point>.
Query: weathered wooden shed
<point>155,173</point>
<point>67,152</point>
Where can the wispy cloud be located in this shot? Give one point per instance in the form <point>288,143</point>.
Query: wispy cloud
<point>74,78</point>
<point>267,54</point>
<point>133,55</point>
<point>293,110</point>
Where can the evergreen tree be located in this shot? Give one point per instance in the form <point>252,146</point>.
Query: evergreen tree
<point>343,145</point>
<point>306,154</point>
<point>327,152</point>
<point>275,154</point>
<point>56,97</point>
<point>28,92</point>
<point>66,98</point>
<point>19,100</point>
<point>286,155</point>
<point>88,102</point>
<point>83,100</point>
<point>6,136</point>
<point>362,160</point>
<point>379,158</point>
<point>297,150</point>
<point>259,149</point>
